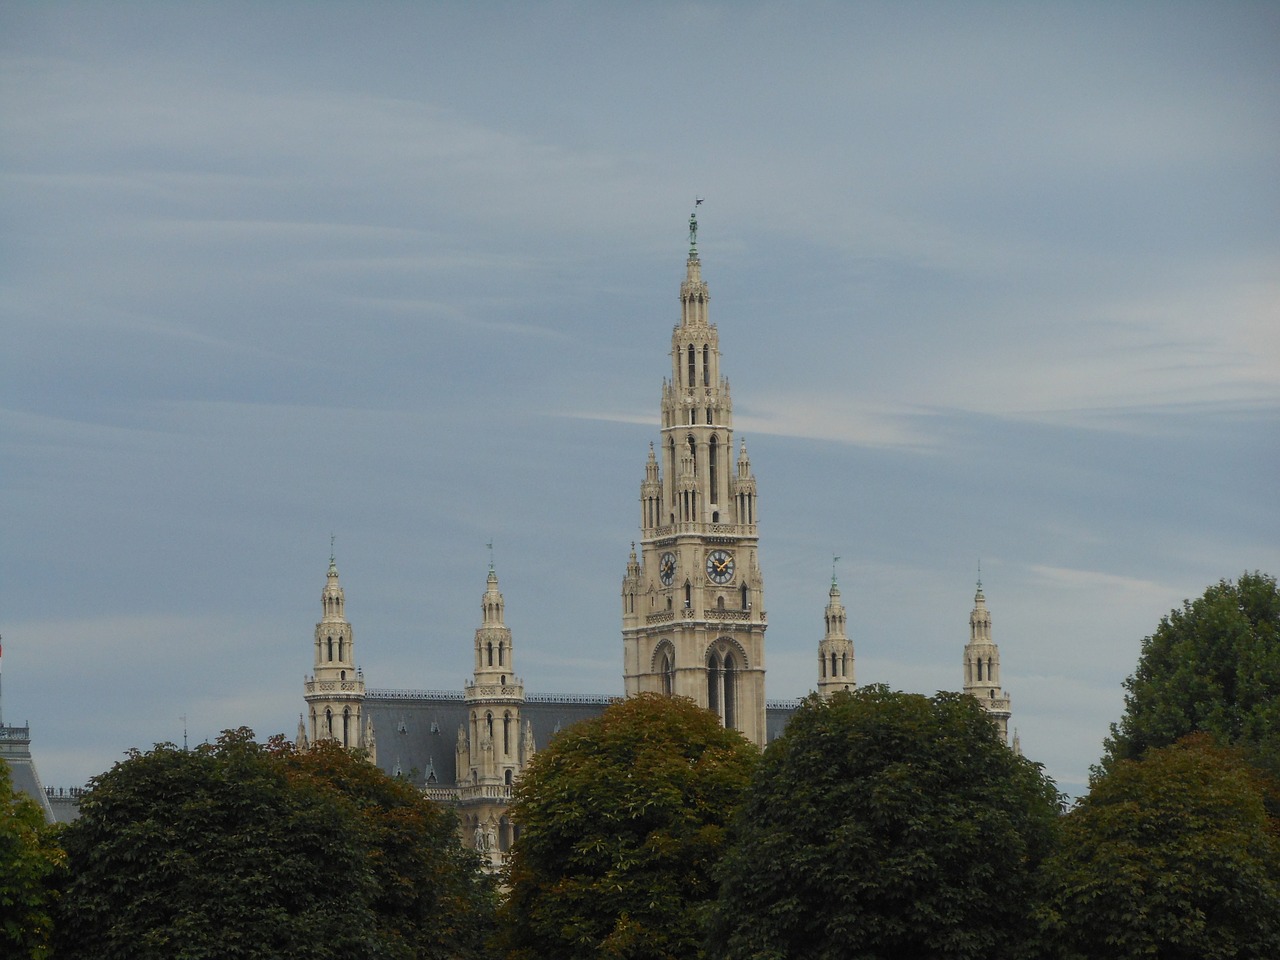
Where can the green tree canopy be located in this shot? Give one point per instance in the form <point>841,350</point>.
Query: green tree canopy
<point>886,824</point>
<point>239,850</point>
<point>622,819</point>
<point>29,862</point>
<point>431,898</point>
<point>1173,856</point>
<point>1214,667</point>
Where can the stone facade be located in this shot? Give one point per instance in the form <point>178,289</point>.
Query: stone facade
<point>693,620</point>
<point>693,617</point>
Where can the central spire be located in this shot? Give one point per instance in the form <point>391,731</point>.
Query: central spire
<point>693,612</point>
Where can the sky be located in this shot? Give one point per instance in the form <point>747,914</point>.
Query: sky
<point>997,286</point>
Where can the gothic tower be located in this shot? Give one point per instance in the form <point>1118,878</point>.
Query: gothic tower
<point>693,617</point>
<point>982,666</point>
<point>335,693</point>
<point>492,748</point>
<point>835,652</point>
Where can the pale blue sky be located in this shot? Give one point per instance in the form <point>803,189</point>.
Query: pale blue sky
<point>994,282</point>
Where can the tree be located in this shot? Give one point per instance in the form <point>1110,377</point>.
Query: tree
<point>885,824</point>
<point>622,819</point>
<point>1173,856</point>
<point>239,850</point>
<point>431,898</point>
<point>29,862</point>
<point>1213,667</point>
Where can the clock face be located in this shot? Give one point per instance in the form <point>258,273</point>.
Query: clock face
<point>720,566</point>
<point>667,568</point>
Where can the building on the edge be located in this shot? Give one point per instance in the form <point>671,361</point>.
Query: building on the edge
<point>693,620</point>
<point>58,806</point>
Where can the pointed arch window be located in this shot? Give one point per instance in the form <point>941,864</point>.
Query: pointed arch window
<point>693,376</point>
<point>491,653</point>
<point>722,684</point>
<point>713,464</point>
<point>706,367</point>
<point>331,649</point>
<point>341,645</point>
<point>346,726</point>
<point>506,734</point>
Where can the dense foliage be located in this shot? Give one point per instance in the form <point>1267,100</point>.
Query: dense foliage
<point>1212,667</point>
<point>622,820</point>
<point>239,850</point>
<point>29,861</point>
<point>431,900</point>
<point>886,824</point>
<point>1173,856</point>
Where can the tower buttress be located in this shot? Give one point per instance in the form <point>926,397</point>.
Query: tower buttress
<point>693,618</point>
<point>982,666</point>
<point>335,691</point>
<point>835,652</point>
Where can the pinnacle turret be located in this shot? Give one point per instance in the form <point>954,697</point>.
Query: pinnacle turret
<point>835,652</point>
<point>982,665</point>
<point>335,693</point>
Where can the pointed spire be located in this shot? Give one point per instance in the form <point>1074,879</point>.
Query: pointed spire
<point>693,292</point>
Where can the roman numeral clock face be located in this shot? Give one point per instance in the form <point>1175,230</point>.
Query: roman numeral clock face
<point>667,568</point>
<point>720,566</point>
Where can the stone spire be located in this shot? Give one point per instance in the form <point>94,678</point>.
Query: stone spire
<point>492,747</point>
<point>335,692</point>
<point>982,666</point>
<point>693,598</point>
<point>835,652</point>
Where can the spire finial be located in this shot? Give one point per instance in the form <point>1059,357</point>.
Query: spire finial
<point>834,561</point>
<point>333,557</point>
<point>490,546</point>
<point>979,576</point>
<point>693,228</point>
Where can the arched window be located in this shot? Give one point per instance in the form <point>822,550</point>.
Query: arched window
<point>693,377</point>
<point>706,367</point>
<point>730,692</point>
<point>668,669</point>
<point>328,722</point>
<point>746,597</point>
<point>488,719</point>
<point>715,683</point>
<point>506,733</point>
<point>713,464</point>
<point>833,664</point>
<point>331,649</point>
<point>346,726</point>
<point>491,653</point>
<point>502,649</point>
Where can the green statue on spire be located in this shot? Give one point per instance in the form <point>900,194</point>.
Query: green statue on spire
<point>693,227</point>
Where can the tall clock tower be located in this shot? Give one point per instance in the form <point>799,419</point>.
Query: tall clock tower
<point>693,617</point>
